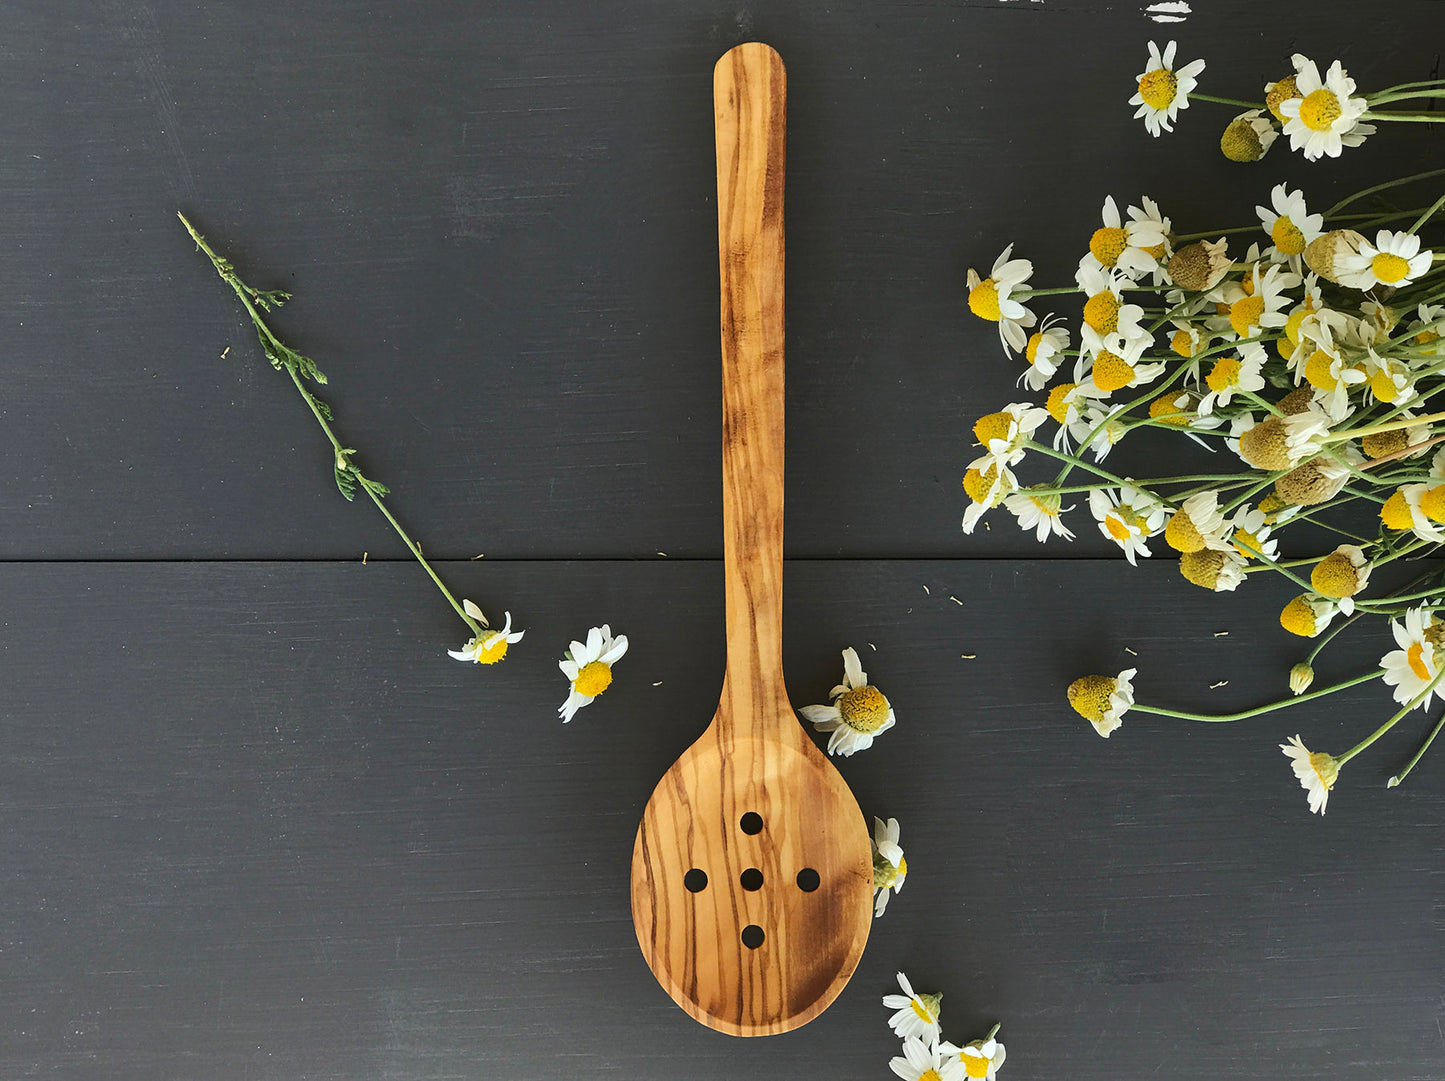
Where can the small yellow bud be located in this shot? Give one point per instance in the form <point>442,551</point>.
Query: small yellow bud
<point>1300,678</point>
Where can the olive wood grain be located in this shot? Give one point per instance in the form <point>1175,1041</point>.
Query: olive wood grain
<point>753,805</point>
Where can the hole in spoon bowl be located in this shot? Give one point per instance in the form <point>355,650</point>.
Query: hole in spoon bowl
<point>751,879</point>
<point>751,823</point>
<point>752,936</point>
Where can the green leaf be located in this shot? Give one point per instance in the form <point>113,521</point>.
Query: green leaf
<point>321,407</point>
<point>345,483</point>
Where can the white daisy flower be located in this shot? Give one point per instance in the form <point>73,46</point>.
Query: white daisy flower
<point>1067,401</point>
<point>1103,700</point>
<point>1105,312</point>
<point>920,1062</point>
<point>1221,572</point>
<point>1250,534</point>
<point>1280,443</point>
<point>1404,511</point>
<point>1044,352</point>
<point>488,647</point>
<point>1004,434</point>
<point>1129,248</point>
<point>1333,376</point>
<point>1258,301</point>
<point>1316,772</point>
<point>588,665</point>
<point>889,866</point>
<point>858,712</point>
<point>1394,259</point>
<point>1198,524</point>
<point>1116,364</point>
<point>1290,225</point>
<point>1325,117</point>
<point>986,489</point>
<point>990,298</point>
<point>1163,90</point>
<point>1098,429</point>
<point>1308,615</point>
<point>1342,574</point>
<point>1429,328</point>
<point>1040,512</point>
<point>1128,517</point>
<point>1388,380</point>
<point>1414,666</point>
<point>917,1016</point>
<point>1231,375</point>
<point>981,1058</point>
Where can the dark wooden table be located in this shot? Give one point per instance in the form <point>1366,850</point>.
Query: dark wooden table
<point>254,824</point>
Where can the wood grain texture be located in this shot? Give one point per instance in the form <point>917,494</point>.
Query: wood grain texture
<point>753,927</point>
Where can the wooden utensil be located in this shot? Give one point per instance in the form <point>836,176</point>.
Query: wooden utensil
<point>752,873</point>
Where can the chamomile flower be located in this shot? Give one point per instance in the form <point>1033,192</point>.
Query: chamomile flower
<point>588,667</point>
<point>1098,429</point>
<point>918,1015</point>
<point>889,866</point>
<point>1388,380</point>
<point>1163,89</point>
<point>1103,700</point>
<point>858,712</point>
<point>1325,117</point>
<point>925,1062</point>
<point>1040,512</point>
<point>1247,137</point>
<point>981,1058</point>
<point>1258,301</point>
<point>1280,443</point>
<point>1403,510</point>
<point>1198,525</point>
<point>1067,401</point>
<point>1307,615</point>
<point>1342,574</point>
<point>1209,569</point>
<point>1128,248</point>
<point>1316,772</point>
<point>986,489</point>
<point>1250,534</point>
<point>1004,434</point>
<point>991,298</point>
<point>1044,352</point>
<point>1239,373</point>
<point>1128,517</point>
<point>1429,329</point>
<point>1289,224</point>
<point>1413,667</point>
<point>489,646</point>
<point>1105,312</point>
<point>1394,259</point>
<point>1333,376</point>
<point>1117,365</point>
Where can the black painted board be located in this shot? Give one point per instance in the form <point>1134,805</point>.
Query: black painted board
<point>498,220</point>
<point>255,824</point>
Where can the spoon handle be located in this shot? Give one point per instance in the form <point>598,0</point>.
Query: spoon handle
<point>749,100</point>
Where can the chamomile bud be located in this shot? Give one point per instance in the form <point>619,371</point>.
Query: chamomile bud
<point>1248,137</point>
<point>1300,678</point>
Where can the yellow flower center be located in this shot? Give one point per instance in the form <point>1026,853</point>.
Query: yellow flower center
<point>930,1074</point>
<point>1382,385</point>
<point>492,651</point>
<point>1182,343</point>
<point>1389,267</point>
<point>1379,444</point>
<point>993,426</point>
<point>1112,372</point>
<point>974,1065</point>
<point>1031,350</point>
<point>1245,313</point>
<point>1158,87</point>
<point>1272,505</point>
<point>1089,695</point>
<point>1057,405</point>
<point>977,484</point>
<point>1326,768</point>
<point>1415,658</point>
<point>1246,543</point>
<point>1108,244</point>
<point>1318,371</point>
<point>1165,411</point>
<point>884,876</point>
<point>1183,535</point>
<point>1292,324</point>
<point>1287,236</point>
<point>1203,567</point>
<point>1157,250</point>
<point>1432,502</point>
<point>1425,337</point>
<point>1101,312</point>
<point>921,1011</point>
<point>1116,526</point>
<point>983,300</point>
<point>593,679</point>
<point>1396,512</point>
<point>1320,110</point>
<point>1224,374</point>
<point>863,709</point>
<point>1298,617</point>
<point>1335,576</point>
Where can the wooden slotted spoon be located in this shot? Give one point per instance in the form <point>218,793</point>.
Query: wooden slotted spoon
<point>752,872</point>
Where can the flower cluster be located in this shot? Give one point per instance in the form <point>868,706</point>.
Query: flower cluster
<point>1308,358</point>
<point>927,1056</point>
<point>1320,115</point>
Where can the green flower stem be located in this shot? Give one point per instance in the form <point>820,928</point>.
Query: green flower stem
<point>1393,781</point>
<point>1293,700</point>
<point>1325,640</point>
<point>1413,118</point>
<point>1275,566</point>
<point>1423,218</point>
<point>342,454</point>
<point>1348,199</point>
<point>1377,733</point>
<point>1386,426</point>
<point>1404,86</point>
<point>1024,294</point>
<point>1225,101</point>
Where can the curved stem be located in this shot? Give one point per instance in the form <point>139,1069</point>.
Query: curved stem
<point>1393,781</point>
<point>1377,733</point>
<point>1258,710</point>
